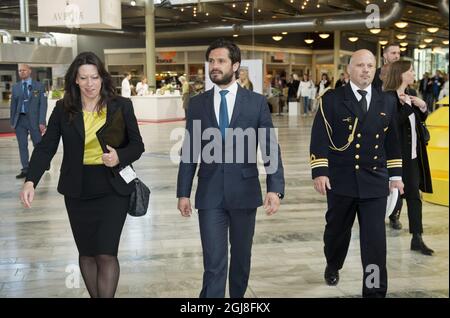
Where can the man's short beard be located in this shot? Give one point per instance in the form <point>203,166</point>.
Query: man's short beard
<point>226,79</point>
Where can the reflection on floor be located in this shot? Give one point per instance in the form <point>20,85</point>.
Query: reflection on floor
<point>160,254</point>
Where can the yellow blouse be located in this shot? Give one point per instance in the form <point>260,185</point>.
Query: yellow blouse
<point>92,150</point>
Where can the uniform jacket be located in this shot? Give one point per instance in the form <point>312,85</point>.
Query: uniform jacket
<point>363,169</point>
<point>37,104</point>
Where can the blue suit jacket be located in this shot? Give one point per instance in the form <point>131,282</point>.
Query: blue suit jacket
<point>229,185</point>
<point>37,106</point>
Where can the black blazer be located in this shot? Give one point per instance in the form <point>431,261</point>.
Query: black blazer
<point>404,111</point>
<point>70,180</point>
<point>363,169</point>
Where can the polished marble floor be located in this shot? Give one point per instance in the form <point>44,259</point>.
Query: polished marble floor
<point>160,254</point>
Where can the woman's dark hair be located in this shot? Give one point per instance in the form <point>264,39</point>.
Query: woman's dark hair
<point>72,96</point>
<point>234,53</point>
<point>393,78</point>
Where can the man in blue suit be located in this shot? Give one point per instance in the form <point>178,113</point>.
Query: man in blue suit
<point>218,122</point>
<point>28,113</point>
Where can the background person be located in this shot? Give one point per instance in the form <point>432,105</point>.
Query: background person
<point>28,113</point>
<point>412,111</point>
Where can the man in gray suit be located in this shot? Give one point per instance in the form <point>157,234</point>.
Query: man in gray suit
<point>28,113</point>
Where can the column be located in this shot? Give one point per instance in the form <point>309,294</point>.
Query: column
<point>314,68</point>
<point>336,54</point>
<point>150,52</point>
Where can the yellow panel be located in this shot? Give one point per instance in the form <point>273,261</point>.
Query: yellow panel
<point>439,117</point>
<point>438,155</point>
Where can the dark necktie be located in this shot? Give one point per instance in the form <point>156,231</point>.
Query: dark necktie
<point>363,101</point>
<point>223,113</point>
<point>25,97</point>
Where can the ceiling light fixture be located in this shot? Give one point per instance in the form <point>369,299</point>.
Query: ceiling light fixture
<point>324,35</point>
<point>309,41</point>
<point>403,49</point>
<point>284,33</point>
<point>445,42</point>
<point>375,31</point>
<point>401,24</point>
<point>422,46</point>
<point>383,42</point>
<point>318,6</point>
<point>401,36</point>
<point>133,3</point>
<point>353,38</point>
<point>404,44</point>
<point>277,38</point>
<point>428,40</point>
<point>235,35</point>
<point>432,29</point>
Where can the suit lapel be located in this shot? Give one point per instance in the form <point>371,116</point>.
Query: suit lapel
<point>209,106</point>
<point>78,122</point>
<point>241,98</point>
<point>351,102</point>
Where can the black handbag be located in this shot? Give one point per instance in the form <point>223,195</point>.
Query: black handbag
<point>425,132</point>
<point>139,199</point>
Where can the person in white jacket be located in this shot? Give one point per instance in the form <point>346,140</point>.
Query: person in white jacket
<point>142,87</point>
<point>126,87</point>
<point>304,91</point>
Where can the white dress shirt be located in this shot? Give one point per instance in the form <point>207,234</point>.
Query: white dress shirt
<point>230,97</point>
<point>126,89</point>
<point>358,96</point>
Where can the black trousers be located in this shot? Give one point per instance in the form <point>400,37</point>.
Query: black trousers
<point>215,224</point>
<point>340,217</point>
<point>411,179</point>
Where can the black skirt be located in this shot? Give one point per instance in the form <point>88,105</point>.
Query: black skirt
<point>98,216</point>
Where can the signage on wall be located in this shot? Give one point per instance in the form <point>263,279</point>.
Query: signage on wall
<point>87,14</point>
<point>166,57</point>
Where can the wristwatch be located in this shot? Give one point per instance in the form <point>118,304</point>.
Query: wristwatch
<point>280,195</point>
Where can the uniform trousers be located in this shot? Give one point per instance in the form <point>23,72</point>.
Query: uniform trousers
<point>340,217</point>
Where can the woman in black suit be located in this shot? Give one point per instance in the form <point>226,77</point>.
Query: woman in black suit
<point>95,195</point>
<point>412,111</point>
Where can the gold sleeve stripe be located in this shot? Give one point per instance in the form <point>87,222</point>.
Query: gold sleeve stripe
<point>319,160</point>
<point>394,160</point>
<point>394,166</point>
<point>319,165</point>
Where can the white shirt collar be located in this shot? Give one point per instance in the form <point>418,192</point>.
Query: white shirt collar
<point>355,89</point>
<point>232,88</point>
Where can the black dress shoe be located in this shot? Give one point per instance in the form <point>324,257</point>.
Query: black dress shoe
<point>417,244</point>
<point>395,223</point>
<point>21,175</point>
<point>331,276</point>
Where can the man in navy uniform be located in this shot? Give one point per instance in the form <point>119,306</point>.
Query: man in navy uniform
<point>28,113</point>
<point>355,161</point>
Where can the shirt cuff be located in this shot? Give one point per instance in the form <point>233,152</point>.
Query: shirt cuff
<point>395,178</point>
